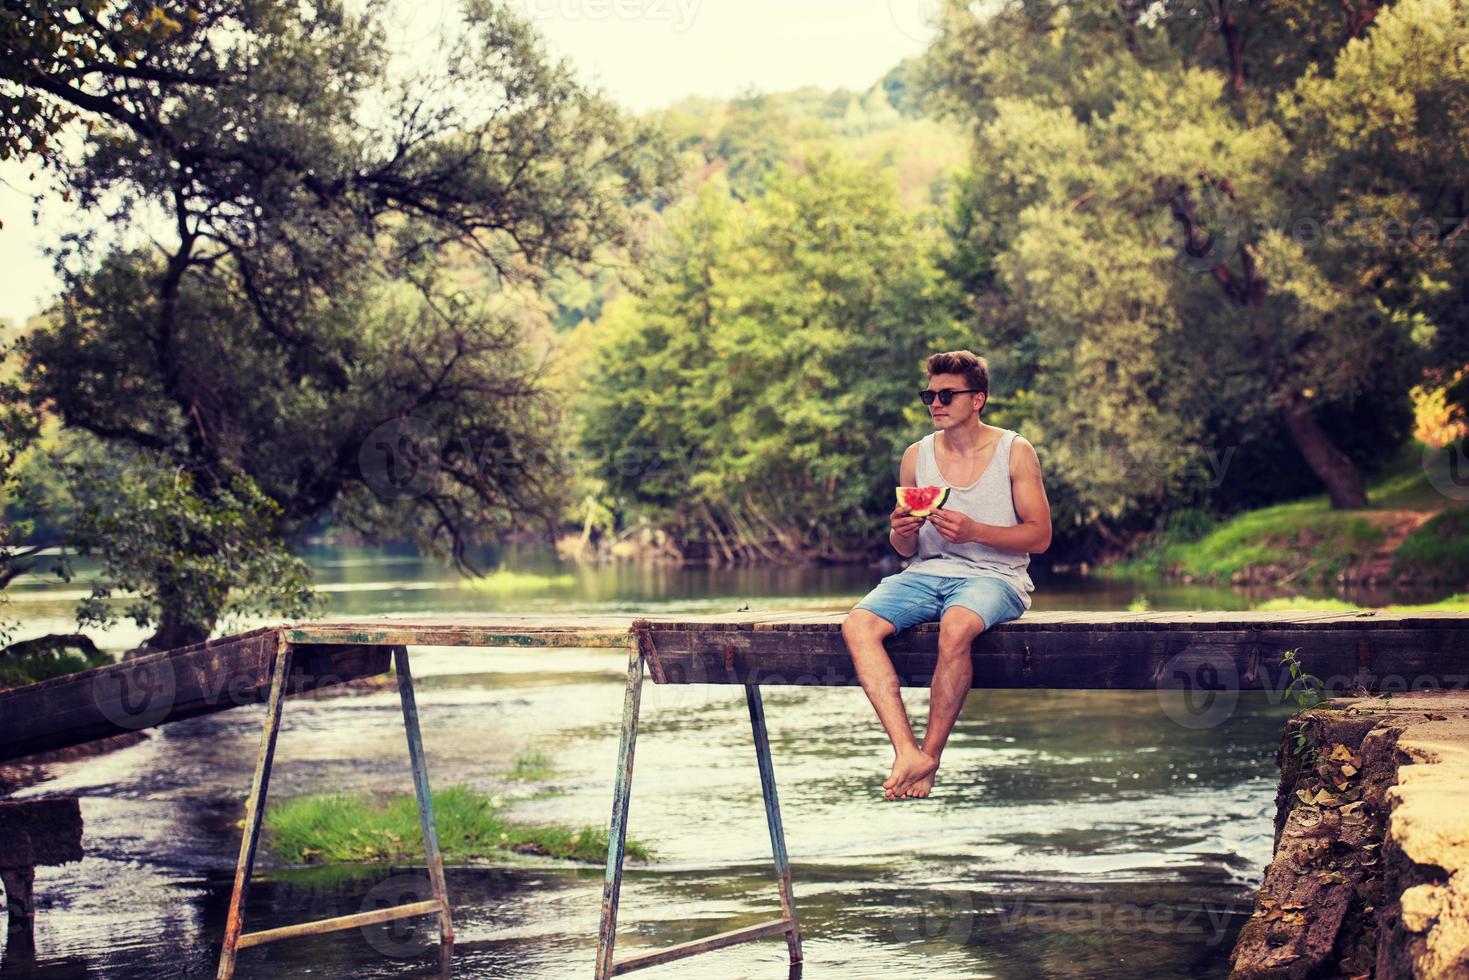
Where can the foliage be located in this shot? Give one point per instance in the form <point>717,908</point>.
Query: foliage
<point>171,551</point>
<point>41,658</point>
<point>49,41</point>
<point>1306,690</point>
<point>747,137</point>
<point>20,430</point>
<point>318,208</point>
<point>1305,536</point>
<point>755,395</point>
<point>1136,231</point>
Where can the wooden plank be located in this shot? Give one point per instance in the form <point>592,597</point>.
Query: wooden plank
<point>1100,622</point>
<point>557,626</point>
<point>775,927</point>
<point>51,828</point>
<point>201,679</point>
<point>1139,659</point>
<point>501,635</point>
<point>1041,649</point>
<point>338,924</point>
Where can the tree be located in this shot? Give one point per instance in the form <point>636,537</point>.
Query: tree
<point>303,310</point>
<point>1138,178</point>
<point>753,397</point>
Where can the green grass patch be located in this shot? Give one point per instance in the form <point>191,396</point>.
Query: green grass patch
<point>1439,548</point>
<point>1300,603</point>
<point>333,828</point>
<point>1454,603</point>
<point>530,766</point>
<point>1405,484</point>
<point>1292,535</point>
<point>1295,534</point>
<point>504,581</point>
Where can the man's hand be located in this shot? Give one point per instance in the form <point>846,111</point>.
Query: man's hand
<point>954,526</point>
<point>903,522</point>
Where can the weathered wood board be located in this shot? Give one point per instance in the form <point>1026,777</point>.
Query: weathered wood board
<point>195,680</point>
<point>1370,651</point>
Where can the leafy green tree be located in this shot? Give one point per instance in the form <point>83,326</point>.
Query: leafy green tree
<point>52,44</point>
<point>317,208</point>
<point>1135,182</point>
<point>1381,155</point>
<point>757,393</point>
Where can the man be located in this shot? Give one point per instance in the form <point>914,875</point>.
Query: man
<point>972,570</point>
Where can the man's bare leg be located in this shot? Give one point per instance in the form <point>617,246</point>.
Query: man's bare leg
<point>951,679</point>
<point>864,632</point>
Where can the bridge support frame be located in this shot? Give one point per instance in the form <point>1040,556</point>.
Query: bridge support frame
<point>235,938</point>
<point>787,925</point>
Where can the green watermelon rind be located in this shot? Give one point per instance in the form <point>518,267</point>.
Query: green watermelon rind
<point>939,502</point>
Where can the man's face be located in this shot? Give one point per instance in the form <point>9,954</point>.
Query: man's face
<point>959,409</point>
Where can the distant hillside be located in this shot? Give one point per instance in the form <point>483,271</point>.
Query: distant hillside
<point>747,135</point>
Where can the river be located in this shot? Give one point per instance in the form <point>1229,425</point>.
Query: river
<point>1070,834</point>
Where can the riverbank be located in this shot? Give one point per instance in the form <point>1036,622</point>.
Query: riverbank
<point>1410,534</point>
<point>1370,875</point>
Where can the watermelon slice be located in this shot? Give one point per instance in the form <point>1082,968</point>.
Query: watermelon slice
<point>922,501</point>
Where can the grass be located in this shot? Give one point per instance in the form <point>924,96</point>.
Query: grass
<point>531,766</point>
<point>504,581</point>
<point>1308,537</point>
<point>335,828</point>
<point>1440,548</point>
<point>1454,603</point>
<point>1305,532</point>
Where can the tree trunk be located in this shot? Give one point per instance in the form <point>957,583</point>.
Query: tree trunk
<point>789,540</point>
<point>750,538</point>
<point>173,632</point>
<point>1248,290</point>
<point>1332,466</point>
<point>1233,34</point>
<point>713,526</point>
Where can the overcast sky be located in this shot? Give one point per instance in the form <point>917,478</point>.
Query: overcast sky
<point>643,53</point>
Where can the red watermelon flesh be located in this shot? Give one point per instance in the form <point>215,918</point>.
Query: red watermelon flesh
<point>922,501</point>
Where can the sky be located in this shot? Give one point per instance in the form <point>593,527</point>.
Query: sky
<point>644,54</point>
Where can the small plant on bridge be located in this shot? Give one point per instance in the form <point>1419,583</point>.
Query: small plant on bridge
<point>1307,690</point>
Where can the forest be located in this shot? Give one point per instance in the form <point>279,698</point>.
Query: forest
<point>1215,257</point>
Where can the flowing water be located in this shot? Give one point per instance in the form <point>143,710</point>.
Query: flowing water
<point>1071,833</point>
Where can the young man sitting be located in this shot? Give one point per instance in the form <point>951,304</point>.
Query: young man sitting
<point>972,567</point>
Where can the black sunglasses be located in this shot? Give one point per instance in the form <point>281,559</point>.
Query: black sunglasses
<point>945,396</point>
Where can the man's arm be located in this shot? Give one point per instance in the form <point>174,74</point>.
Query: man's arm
<point>907,477</point>
<point>1033,533</point>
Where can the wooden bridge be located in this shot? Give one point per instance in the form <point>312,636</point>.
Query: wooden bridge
<point>1362,651</point>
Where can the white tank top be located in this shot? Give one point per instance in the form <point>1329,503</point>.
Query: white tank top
<point>987,500</point>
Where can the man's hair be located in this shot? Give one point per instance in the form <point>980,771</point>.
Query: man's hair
<point>976,370</point>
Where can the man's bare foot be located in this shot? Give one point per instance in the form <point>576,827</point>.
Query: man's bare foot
<point>909,766</point>
<point>919,788</point>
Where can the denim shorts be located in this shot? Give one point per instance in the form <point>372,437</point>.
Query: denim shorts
<point>908,598</point>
